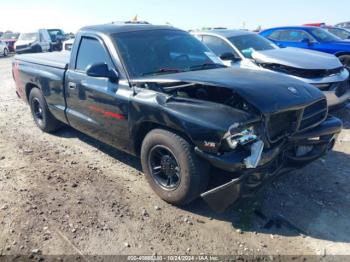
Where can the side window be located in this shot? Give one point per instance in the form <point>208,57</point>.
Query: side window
<point>275,35</point>
<point>294,36</point>
<point>91,51</point>
<point>217,45</point>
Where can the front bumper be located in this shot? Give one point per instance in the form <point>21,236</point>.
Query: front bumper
<point>278,160</point>
<point>336,87</point>
<point>26,49</point>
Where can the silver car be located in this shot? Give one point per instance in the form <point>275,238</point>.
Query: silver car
<point>238,48</point>
<point>4,50</point>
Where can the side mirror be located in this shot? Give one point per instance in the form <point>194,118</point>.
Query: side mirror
<point>230,57</point>
<point>307,41</point>
<point>102,70</point>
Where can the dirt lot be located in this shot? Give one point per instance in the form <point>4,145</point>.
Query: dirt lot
<point>69,194</point>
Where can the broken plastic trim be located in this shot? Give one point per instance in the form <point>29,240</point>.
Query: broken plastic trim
<point>256,151</point>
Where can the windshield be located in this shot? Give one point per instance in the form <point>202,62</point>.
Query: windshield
<point>247,44</point>
<point>54,33</point>
<point>9,36</point>
<point>341,33</point>
<point>163,51</point>
<point>323,36</point>
<point>27,37</point>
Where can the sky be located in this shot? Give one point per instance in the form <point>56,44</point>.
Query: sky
<point>25,16</point>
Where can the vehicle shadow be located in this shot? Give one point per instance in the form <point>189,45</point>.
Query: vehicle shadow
<point>313,201</point>
<point>68,132</point>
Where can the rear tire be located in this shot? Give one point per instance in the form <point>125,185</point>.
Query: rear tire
<point>172,168</point>
<point>345,60</point>
<point>40,112</point>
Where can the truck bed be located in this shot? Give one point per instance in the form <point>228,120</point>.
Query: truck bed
<point>54,59</point>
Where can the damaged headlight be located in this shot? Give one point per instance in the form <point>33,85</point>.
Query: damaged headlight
<point>244,137</point>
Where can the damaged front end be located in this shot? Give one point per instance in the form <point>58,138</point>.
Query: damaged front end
<point>259,162</point>
<point>247,132</point>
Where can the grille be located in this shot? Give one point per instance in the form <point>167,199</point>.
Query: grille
<point>313,114</point>
<point>21,46</point>
<point>304,73</point>
<point>281,124</point>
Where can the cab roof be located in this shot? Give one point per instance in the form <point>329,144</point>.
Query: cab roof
<point>113,28</point>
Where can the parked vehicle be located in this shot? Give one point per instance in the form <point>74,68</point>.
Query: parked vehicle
<point>342,33</point>
<point>343,25</point>
<point>3,48</point>
<point>167,98</point>
<point>310,37</point>
<point>67,45</point>
<point>10,40</point>
<point>315,24</point>
<point>34,42</point>
<point>57,37</point>
<point>244,49</point>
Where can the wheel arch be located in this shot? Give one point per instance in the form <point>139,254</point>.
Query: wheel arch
<point>342,53</point>
<point>28,88</point>
<point>145,127</point>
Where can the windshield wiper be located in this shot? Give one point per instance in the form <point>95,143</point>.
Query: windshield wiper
<point>207,66</point>
<point>164,70</point>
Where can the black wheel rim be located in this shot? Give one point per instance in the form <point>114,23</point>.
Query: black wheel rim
<point>37,111</point>
<point>164,167</point>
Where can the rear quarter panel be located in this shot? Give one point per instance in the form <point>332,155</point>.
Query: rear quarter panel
<point>48,79</point>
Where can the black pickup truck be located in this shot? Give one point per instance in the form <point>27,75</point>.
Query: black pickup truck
<point>158,93</point>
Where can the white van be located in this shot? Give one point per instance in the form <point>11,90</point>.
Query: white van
<point>33,42</point>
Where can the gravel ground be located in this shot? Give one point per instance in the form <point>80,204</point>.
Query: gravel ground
<point>66,193</point>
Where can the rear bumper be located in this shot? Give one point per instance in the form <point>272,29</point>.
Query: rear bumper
<point>276,161</point>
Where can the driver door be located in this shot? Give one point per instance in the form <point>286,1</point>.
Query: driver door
<point>97,106</point>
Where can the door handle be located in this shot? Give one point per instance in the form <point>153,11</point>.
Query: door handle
<point>72,85</point>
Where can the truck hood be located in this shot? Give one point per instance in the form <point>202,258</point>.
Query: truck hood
<point>297,58</point>
<point>269,92</point>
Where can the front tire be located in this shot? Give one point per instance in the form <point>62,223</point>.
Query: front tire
<point>345,60</point>
<point>172,168</point>
<point>40,112</point>
<point>6,52</point>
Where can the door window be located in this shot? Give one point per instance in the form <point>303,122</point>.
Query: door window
<point>217,45</point>
<point>294,36</point>
<point>91,51</point>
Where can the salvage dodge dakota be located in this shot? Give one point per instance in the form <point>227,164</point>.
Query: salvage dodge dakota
<point>159,93</point>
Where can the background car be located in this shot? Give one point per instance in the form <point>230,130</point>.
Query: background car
<point>33,42</point>
<point>310,37</point>
<point>244,49</point>
<point>57,37</point>
<point>10,39</point>
<point>3,48</point>
<point>339,32</point>
<point>67,45</point>
<point>343,25</point>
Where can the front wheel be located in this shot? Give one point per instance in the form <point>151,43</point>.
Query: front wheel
<point>345,60</point>
<point>172,168</point>
<point>6,52</point>
<point>41,114</point>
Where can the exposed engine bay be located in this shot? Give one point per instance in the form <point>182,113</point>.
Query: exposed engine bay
<point>216,94</point>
